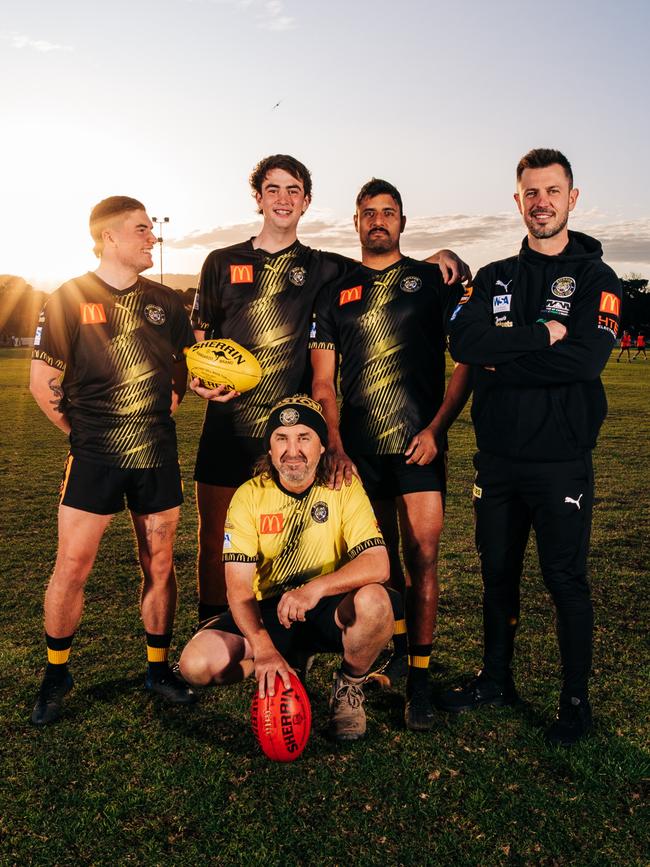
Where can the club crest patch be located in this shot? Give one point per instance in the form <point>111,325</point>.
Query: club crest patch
<point>563,287</point>
<point>154,314</point>
<point>289,417</point>
<point>319,512</point>
<point>411,284</point>
<point>298,275</point>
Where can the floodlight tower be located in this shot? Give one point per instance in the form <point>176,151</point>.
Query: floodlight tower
<point>160,221</point>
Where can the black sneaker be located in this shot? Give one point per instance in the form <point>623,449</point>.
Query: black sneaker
<point>572,723</point>
<point>171,687</point>
<point>418,712</point>
<point>50,699</point>
<point>479,692</point>
<point>392,674</point>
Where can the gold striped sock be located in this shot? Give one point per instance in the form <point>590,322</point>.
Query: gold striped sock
<point>400,627</point>
<point>419,661</point>
<point>157,654</point>
<point>58,657</point>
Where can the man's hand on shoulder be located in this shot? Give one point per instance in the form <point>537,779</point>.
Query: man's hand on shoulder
<point>220,394</point>
<point>452,267</point>
<point>343,468</point>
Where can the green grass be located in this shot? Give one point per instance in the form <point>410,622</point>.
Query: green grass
<point>122,779</point>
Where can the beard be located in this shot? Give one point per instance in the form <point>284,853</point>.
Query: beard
<point>293,473</point>
<point>379,242</point>
<point>550,229</point>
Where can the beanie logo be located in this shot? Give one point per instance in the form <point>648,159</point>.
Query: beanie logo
<point>289,417</point>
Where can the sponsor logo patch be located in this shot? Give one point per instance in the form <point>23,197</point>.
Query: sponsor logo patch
<point>347,295</point>
<point>502,284</point>
<point>477,492</point>
<point>608,323</point>
<point>271,523</point>
<point>241,274</point>
<point>411,284</point>
<point>457,310</point>
<point>312,330</point>
<point>298,275</point>
<point>610,303</point>
<point>563,287</point>
<point>154,314</point>
<point>289,417</point>
<point>502,322</point>
<point>37,336</point>
<point>92,314</point>
<point>501,303</point>
<point>320,512</point>
<point>561,308</point>
<point>227,541</point>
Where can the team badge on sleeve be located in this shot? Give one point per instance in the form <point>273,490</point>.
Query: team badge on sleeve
<point>609,312</point>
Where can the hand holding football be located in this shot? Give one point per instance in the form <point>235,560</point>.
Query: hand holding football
<point>223,362</point>
<point>282,722</point>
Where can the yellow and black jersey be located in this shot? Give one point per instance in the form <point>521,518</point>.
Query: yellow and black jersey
<point>388,328</point>
<point>293,538</point>
<point>264,302</point>
<point>117,349</point>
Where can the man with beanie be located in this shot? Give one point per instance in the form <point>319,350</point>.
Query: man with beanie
<point>304,568</point>
<point>108,370</point>
<point>539,328</point>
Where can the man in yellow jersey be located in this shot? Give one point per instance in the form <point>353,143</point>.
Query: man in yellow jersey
<point>108,370</point>
<point>304,568</point>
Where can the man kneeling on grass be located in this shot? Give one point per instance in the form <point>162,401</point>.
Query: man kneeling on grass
<point>304,568</point>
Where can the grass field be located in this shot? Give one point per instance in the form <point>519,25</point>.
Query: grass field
<point>124,780</point>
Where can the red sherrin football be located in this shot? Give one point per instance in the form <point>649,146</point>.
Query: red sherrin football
<point>282,723</point>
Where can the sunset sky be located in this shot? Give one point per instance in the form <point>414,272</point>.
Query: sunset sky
<point>173,102</point>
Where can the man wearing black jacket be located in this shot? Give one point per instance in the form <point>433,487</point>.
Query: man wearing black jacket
<point>539,328</point>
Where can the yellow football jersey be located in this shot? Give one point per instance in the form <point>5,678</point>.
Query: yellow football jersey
<point>293,538</point>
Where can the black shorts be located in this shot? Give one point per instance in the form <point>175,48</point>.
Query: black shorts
<point>101,488</point>
<point>387,476</point>
<point>226,461</point>
<point>317,634</point>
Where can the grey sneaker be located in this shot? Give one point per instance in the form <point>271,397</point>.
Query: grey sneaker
<point>347,716</point>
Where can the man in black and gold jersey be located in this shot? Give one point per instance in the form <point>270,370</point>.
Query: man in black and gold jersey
<point>108,370</point>
<point>304,568</point>
<point>260,293</point>
<point>384,323</point>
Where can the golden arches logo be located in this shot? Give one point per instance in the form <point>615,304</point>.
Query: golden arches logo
<point>271,523</point>
<point>610,303</point>
<point>92,314</point>
<point>348,295</point>
<point>241,273</point>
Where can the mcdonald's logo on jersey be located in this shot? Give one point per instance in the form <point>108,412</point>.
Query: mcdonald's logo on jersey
<point>272,523</point>
<point>92,314</point>
<point>347,295</point>
<point>610,303</point>
<point>241,273</point>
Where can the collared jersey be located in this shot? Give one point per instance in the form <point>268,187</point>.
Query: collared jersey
<point>388,329</point>
<point>264,302</point>
<point>294,538</point>
<point>117,349</point>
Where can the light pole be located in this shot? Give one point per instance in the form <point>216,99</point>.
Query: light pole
<point>160,221</point>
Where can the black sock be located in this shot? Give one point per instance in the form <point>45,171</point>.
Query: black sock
<point>206,611</point>
<point>157,652</point>
<point>345,669</point>
<point>58,651</point>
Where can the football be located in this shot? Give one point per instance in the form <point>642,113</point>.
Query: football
<point>282,723</point>
<point>223,362</point>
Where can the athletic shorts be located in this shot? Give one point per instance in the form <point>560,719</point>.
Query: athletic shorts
<point>317,634</point>
<point>101,488</point>
<point>387,476</point>
<point>226,462</point>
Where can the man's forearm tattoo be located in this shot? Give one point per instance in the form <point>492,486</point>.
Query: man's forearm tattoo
<point>57,390</point>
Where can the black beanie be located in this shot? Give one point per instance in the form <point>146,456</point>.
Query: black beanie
<point>298,409</point>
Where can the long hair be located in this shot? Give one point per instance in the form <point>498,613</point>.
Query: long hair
<point>264,467</point>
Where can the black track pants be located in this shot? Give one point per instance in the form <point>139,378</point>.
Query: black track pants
<point>556,499</point>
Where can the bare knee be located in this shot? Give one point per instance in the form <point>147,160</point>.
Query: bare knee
<point>372,605</point>
<point>195,667</point>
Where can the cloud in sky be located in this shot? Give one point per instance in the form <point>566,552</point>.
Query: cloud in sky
<point>269,14</point>
<point>477,238</point>
<point>20,40</point>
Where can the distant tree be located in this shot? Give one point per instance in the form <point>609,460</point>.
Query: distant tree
<point>635,315</point>
<point>20,305</point>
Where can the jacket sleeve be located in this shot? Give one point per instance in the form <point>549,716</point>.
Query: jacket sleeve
<point>582,355</point>
<point>473,337</point>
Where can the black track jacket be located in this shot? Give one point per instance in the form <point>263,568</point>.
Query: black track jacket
<point>542,402</point>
